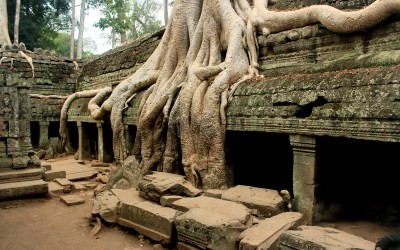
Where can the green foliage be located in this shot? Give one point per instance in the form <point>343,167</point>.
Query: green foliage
<point>133,18</point>
<point>39,21</point>
<point>60,45</point>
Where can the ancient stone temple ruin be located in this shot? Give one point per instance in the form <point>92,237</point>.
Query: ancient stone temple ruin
<point>323,123</point>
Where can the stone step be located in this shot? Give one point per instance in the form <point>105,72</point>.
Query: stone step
<point>28,174</point>
<point>322,238</point>
<point>23,189</point>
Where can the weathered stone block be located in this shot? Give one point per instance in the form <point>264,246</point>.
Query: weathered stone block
<point>322,238</point>
<point>265,234</point>
<point>214,193</point>
<point>14,175</point>
<point>167,200</point>
<point>23,188</point>
<point>55,188</point>
<point>184,246</point>
<point>228,208</point>
<point>106,205</point>
<point>150,219</point>
<point>53,174</point>
<point>153,186</point>
<point>209,230</point>
<point>267,201</point>
<point>127,196</point>
<point>72,199</point>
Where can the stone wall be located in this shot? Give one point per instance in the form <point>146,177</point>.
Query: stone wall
<point>112,67</point>
<point>29,94</point>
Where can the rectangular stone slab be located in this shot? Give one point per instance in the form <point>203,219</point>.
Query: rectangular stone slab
<point>267,201</point>
<point>29,174</point>
<point>208,230</point>
<point>265,234</point>
<point>23,188</point>
<point>322,238</point>
<point>228,208</point>
<point>149,219</point>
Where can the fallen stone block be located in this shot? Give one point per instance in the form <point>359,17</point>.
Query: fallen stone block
<point>209,230</point>
<point>265,234</point>
<point>14,175</point>
<point>79,187</point>
<point>23,189</point>
<point>150,219</point>
<point>55,188</point>
<point>72,199</point>
<point>66,184</point>
<point>228,208</point>
<point>167,200</point>
<point>214,193</point>
<point>157,184</point>
<point>46,166</point>
<point>322,238</point>
<point>127,196</point>
<point>106,205</point>
<point>268,202</point>
<point>53,174</point>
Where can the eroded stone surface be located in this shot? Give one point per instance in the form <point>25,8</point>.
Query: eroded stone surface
<point>153,186</point>
<point>106,205</point>
<point>22,189</point>
<point>127,196</point>
<point>230,209</point>
<point>72,199</point>
<point>208,229</point>
<point>267,201</point>
<point>318,238</point>
<point>265,234</point>
<point>149,219</point>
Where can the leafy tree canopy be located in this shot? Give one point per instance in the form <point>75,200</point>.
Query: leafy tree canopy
<point>131,17</point>
<point>39,21</point>
<point>61,46</point>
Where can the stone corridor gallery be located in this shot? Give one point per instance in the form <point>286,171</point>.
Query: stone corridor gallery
<point>321,121</point>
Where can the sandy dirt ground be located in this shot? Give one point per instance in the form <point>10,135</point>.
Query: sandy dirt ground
<point>47,223</point>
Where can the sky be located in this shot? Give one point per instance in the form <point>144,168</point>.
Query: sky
<point>98,35</point>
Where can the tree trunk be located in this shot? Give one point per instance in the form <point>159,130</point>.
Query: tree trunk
<point>16,21</point>
<point>72,40</point>
<point>113,39</point>
<point>123,37</point>
<point>208,47</point>
<point>165,4</point>
<point>81,28</point>
<point>4,36</point>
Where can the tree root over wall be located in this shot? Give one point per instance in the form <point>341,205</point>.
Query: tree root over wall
<point>208,46</point>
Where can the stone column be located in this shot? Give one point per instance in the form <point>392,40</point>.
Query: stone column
<point>80,140</point>
<point>304,176</point>
<point>44,133</point>
<point>100,142</point>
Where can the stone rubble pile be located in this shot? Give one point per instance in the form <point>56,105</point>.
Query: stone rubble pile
<point>168,210</point>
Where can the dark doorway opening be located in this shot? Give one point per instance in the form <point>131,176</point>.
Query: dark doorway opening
<point>260,159</point>
<point>54,129</point>
<point>108,142</point>
<point>90,140</point>
<point>358,179</point>
<point>35,134</point>
<point>72,139</point>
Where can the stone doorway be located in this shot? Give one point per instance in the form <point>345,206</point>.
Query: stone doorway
<point>358,180</point>
<point>54,129</point>
<point>260,159</point>
<point>35,134</point>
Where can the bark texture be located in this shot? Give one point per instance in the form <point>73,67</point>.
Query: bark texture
<point>209,47</point>
<point>4,36</point>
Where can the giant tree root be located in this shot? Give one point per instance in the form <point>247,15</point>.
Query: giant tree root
<point>208,46</point>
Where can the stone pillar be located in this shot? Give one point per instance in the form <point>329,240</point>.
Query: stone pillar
<point>44,133</point>
<point>80,140</point>
<point>304,176</point>
<point>100,142</point>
